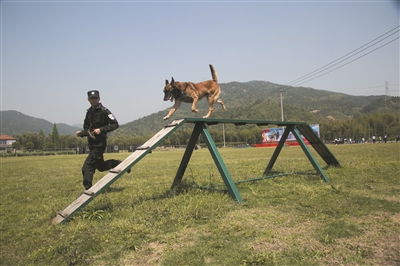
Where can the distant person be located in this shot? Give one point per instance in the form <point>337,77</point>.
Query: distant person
<point>98,122</point>
<point>373,139</point>
<point>397,138</point>
<point>385,138</point>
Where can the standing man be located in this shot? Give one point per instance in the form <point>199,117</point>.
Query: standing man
<point>98,121</point>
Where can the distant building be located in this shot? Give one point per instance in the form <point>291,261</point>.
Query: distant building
<point>6,142</point>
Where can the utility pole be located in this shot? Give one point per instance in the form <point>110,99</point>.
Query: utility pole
<point>223,133</point>
<point>387,94</point>
<point>281,103</point>
<point>280,91</point>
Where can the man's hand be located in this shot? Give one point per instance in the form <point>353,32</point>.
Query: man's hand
<point>96,131</point>
<point>90,133</point>
<point>78,133</point>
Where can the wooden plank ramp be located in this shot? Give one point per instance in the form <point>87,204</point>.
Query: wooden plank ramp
<point>318,145</point>
<point>88,195</point>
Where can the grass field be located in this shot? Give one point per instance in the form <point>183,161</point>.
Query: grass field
<point>293,220</point>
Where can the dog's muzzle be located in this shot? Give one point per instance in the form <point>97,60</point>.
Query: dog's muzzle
<point>168,97</point>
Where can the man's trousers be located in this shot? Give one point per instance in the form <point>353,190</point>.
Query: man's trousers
<point>95,160</point>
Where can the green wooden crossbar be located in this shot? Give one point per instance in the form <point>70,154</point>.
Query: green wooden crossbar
<point>200,128</point>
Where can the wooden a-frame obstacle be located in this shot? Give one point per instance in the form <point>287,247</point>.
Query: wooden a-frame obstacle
<point>200,128</point>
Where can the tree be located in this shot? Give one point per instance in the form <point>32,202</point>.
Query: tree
<point>29,145</point>
<point>41,139</point>
<point>16,145</point>
<point>29,137</point>
<point>55,137</point>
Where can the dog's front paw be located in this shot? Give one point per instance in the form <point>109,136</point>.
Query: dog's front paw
<point>166,117</point>
<point>206,116</point>
<point>195,110</point>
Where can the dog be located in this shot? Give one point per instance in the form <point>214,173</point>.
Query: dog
<point>189,92</point>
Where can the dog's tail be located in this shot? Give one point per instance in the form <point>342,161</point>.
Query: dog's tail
<point>213,73</point>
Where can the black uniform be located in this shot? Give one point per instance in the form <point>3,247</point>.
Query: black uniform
<point>97,117</point>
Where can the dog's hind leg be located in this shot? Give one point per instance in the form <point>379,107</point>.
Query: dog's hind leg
<point>222,104</point>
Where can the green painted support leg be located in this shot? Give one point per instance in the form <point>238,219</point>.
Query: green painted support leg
<point>310,157</point>
<point>233,192</point>
<point>186,156</point>
<point>278,150</point>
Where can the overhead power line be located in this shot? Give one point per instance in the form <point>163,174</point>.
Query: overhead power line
<point>347,62</point>
<point>327,67</point>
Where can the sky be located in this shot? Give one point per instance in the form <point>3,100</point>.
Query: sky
<point>53,52</point>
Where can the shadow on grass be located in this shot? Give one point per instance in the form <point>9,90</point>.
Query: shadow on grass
<point>113,189</point>
<point>182,189</point>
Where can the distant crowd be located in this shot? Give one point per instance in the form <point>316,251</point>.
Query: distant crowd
<point>373,139</point>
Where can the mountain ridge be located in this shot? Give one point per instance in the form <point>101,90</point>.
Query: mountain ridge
<point>261,100</point>
<point>15,123</point>
<point>248,100</point>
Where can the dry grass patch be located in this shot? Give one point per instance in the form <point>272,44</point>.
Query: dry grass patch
<point>148,254</point>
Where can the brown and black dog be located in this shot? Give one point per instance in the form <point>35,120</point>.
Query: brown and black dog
<point>189,92</point>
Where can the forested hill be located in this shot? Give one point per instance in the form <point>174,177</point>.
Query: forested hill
<point>249,100</point>
<point>261,100</point>
<point>16,123</point>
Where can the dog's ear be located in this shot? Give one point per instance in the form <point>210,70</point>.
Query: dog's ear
<point>166,82</point>
<point>172,80</point>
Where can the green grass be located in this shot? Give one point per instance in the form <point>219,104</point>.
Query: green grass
<point>292,220</point>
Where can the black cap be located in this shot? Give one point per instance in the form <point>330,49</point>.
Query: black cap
<point>93,94</point>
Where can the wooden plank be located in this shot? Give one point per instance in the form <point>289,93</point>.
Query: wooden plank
<point>318,145</point>
<point>241,122</point>
<point>88,195</point>
<point>71,209</point>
